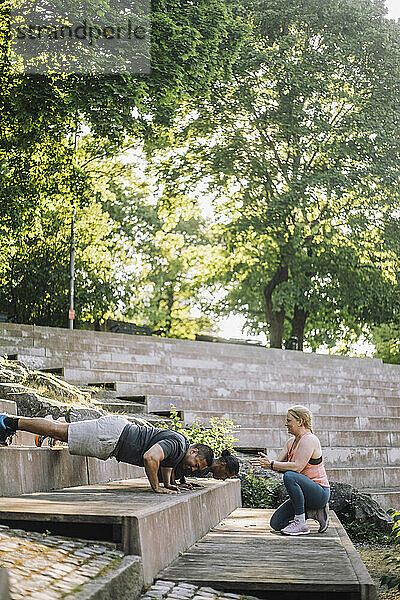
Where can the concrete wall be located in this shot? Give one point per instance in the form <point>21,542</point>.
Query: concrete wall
<point>27,470</point>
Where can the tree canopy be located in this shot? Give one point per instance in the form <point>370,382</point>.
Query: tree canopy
<point>303,146</point>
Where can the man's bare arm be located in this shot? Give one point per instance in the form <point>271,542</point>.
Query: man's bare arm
<point>152,459</point>
<point>168,478</point>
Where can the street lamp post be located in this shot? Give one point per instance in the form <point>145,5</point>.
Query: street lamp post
<point>71,312</point>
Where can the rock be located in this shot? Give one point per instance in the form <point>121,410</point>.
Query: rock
<point>31,404</point>
<point>31,390</point>
<point>350,505</point>
<point>56,386</point>
<point>11,388</point>
<point>12,372</point>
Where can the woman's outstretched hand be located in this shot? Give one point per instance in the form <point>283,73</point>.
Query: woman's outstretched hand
<point>262,461</point>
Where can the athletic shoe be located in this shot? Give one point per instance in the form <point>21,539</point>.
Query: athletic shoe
<point>322,516</point>
<point>39,439</point>
<point>295,527</point>
<point>6,433</point>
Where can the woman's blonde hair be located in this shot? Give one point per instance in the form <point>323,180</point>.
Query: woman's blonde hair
<point>302,413</point>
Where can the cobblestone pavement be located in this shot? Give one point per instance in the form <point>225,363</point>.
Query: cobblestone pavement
<point>48,567</point>
<point>186,591</point>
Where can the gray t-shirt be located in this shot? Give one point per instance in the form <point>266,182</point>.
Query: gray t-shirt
<point>135,440</point>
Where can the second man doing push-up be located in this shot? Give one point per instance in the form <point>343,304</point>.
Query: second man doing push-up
<point>114,436</point>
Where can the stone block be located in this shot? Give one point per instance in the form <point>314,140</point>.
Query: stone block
<point>27,470</point>
<point>8,406</point>
<point>358,477</point>
<point>359,438</point>
<point>110,470</point>
<point>124,582</point>
<point>389,498</point>
<point>4,587</point>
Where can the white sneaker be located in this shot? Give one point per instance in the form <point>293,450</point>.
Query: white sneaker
<point>295,527</point>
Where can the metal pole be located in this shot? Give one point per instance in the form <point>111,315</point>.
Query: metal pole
<point>71,313</point>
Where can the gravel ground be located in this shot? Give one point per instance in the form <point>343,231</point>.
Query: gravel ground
<point>373,556</point>
<point>47,567</point>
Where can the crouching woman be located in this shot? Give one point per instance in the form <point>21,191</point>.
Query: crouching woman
<point>304,477</point>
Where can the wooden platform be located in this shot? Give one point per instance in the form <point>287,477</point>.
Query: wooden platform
<point>244,556</point>
<point>154,526</point>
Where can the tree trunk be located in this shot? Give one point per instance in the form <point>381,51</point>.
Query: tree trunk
<point>170,304</point>
<point>275,318</point>
<point>298,324</point>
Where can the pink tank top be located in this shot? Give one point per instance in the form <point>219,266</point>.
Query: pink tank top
<point>314,469</point>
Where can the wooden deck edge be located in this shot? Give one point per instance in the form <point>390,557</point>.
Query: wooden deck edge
<point>367,586</point>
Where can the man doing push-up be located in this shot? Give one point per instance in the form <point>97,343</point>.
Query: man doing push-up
<point>114,436</point>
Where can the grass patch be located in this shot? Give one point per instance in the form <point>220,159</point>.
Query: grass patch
<point>373,556</point>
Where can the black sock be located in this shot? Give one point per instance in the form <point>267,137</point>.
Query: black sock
<point>11,422</point>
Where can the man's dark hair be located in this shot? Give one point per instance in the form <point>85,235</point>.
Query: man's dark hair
<point>205,452</point>
<point>231,462</point>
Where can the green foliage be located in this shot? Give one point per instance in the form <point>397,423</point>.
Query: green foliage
<point>169,253</point>
<point>45,160</point>
<point>363,532</point>
<point>34,281</point>
<point>258,492</point>
<point>392,579</point>
<point>301,151</point>
<point>386,338</point>
<point>219,436</point>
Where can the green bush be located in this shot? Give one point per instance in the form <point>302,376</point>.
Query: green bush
<point>392,579</point>
<point>219,436</point>
<point>360,532</point>
<point>258,492</point>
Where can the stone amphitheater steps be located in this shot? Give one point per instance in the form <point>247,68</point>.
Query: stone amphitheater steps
<point>387,497</point>
<point>258,437</point>
<point>356,402</point>
<point>350,456</point>
<point>25,470</point>
<point>153,372</point>
<point>320,422</point>
<point>188,392</point>
<point>241,383</point>
<point>229,407</point>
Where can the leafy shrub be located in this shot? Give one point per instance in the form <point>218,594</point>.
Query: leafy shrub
<point>219,436</point>
<point>258,492</point>
<point>360,532</point>
<point>392,579</point>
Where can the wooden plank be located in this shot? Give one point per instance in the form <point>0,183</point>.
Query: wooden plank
<point>243,553</point>
<point>367,587</point>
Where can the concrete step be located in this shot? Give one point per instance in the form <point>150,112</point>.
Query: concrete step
<point>119,406</point>
<point>231,377</point>
<point>351,456</point>
<point>272,404</point>
<point>8,407</point>
<point>193,393</point>
<point>236,385</point>
<point>386,497</point>
<point>25,470</point>
<point>366,477</point>
<point>320,423</point>
<point>40,339</point>
<point>257,437</point>
<point>155,526</point>
<point>116,369</point>
<point>269,407</point>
